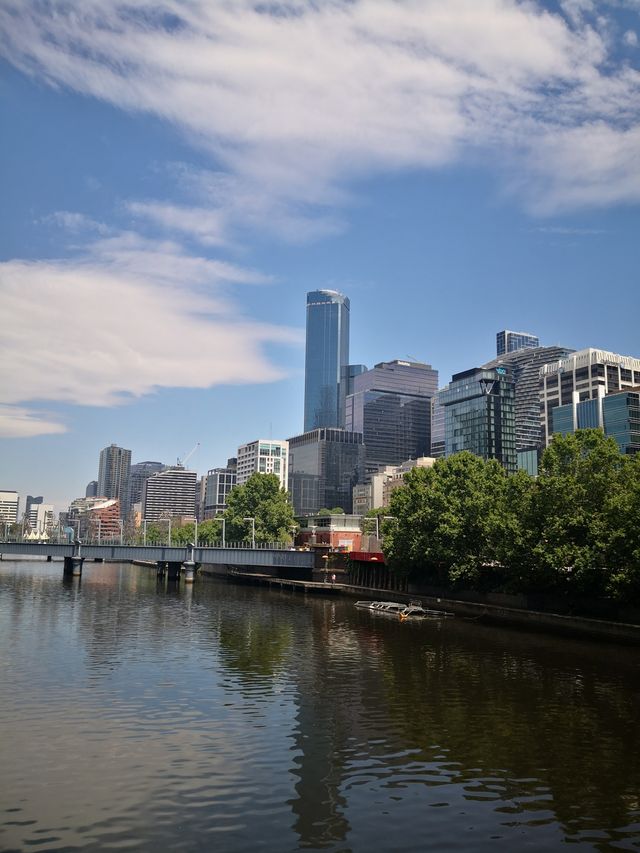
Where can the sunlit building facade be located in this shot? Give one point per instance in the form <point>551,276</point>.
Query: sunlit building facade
<point>326,375</point>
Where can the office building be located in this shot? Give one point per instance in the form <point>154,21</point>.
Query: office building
<point>326,374</point>
<point>590,373</point>
<point>324,466</point>
<point>479,414</point>
<point>138,474</point>
<point>617,415</point>
<point>524,366</point>
<point>218,484</point>
<point>9,506</point>
<point>507,341</point>
<point>169,494</point>
<point>113,474</point>
<point>263,456</point>
<point>91,490</point>
<point>391,407</point>
<point>437,428</point>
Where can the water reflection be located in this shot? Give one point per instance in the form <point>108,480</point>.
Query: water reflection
<point>187,717</point>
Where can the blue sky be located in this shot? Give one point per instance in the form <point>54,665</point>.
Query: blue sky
<point>177,175</point>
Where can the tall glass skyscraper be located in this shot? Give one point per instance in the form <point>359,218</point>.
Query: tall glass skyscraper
<point>391,407</point>
<point>326,359</point>
<point>479,413</point>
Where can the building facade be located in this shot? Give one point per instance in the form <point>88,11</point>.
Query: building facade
<point>39,517</point>
<point>617,415</point>
<point>437,427</point>
<point>480,415</point>
<point>326,373</point>
<point>524,365</point>
<point>590,373</point>
<point>9,506</point>
<point>508,341</point>
<point>324,466</point>
<point>391,407</point>
<point>113,473</point>
<point>138,474</point>
<point>218,484</point>
<point>169,494</point>
<point>91,490</point>
<point>263,456</point>
<point>335,532</point>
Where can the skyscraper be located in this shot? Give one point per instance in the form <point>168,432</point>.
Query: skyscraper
<point>324,466</point>
<point>479,414</point>
<point>138,473</point>
<point>169,493</point>
<point>326,359</point>
<point>507,341</point>
<point>391,407</point>
<point>113,473</point>
<point>525,365</point>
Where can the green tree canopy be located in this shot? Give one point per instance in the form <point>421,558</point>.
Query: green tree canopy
<point>260,498</point>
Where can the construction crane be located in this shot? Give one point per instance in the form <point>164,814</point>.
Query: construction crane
<point>182,462</point>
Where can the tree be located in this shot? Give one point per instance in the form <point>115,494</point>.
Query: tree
<point>581,480</point>
<point>262,499</point>
<point>452,521</point>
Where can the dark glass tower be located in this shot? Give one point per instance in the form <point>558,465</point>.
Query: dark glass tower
<point>326,359</point>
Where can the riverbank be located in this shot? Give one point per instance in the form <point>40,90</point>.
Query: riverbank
<point>534,620</point>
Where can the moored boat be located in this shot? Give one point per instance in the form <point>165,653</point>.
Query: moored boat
<point>413,610</point>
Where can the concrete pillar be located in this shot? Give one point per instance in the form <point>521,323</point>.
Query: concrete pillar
<point>73,566</point>
<point>189,571</point>
<point>173,573</point>
<point>162,568</point>
<point>48,558</point>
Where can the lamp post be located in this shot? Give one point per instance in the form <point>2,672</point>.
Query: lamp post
<point>99,530</point>
<point>144,532</point>
<point>169,533</point>
<point>195,533</point>
<point>121,530</point>
<point>253,530</point>
<point>224,528</point>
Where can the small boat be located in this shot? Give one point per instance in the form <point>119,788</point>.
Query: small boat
<point>413,610</point>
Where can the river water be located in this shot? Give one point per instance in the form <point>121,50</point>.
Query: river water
<point>137,716</point>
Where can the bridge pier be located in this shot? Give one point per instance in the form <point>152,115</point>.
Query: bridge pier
<point>49,558</point>
<point>173,571</point>
<point>189,571</point>
<point>161,568</point>
<point>73,566</point>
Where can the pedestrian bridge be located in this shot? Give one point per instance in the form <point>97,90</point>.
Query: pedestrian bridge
<point>276,558</point>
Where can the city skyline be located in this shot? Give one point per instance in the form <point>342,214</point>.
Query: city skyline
<point>159,234</point>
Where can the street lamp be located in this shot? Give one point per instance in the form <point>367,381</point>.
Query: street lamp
<point>121,530</point>
<point>224,527</point>
<point>144,532</point>
<point>253,530</point>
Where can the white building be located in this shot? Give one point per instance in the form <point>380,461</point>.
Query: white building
<point>40,518</point>
<point>264,456</point>
<point>170,494</point>
<point>589,373</point>
<point>9,505</point>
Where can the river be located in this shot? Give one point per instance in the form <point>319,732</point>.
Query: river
<point>137,716</point>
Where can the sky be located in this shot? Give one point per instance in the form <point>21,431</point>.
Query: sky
<point>177,174</point>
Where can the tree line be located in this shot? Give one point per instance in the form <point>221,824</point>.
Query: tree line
<point>572,530</point>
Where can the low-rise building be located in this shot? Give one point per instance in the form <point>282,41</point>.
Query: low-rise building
<point>334,532</point>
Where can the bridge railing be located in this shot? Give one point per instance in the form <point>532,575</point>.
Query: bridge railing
<point>129,541</point>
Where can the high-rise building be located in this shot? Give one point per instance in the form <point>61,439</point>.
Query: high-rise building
<point>263,456</point>
<point>437,428</point>
<point>585,371</point>
<point>30,502</point>
<point>617,415</point>
<point>9,506</point>
<point>524,365</point>
<point>113,473</point>
<point>169,494</point>
<point>479,412</point>
<point>391,407</point>
<point>324,466</point>
<point>507,341</point>
<point>138,473</point>
<point>326,374</point>
<point>92,489</point>
<point>218,484</point>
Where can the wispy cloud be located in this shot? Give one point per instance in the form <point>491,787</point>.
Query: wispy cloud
<point>123,319</point>
<point>298,100</point>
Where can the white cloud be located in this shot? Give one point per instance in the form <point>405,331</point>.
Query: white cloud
<point>206,225</point>
<point>298,99</point>
<point>18,422</point>
<point>126,318</point>
<point>630,38</point>
<point>74,222</point>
